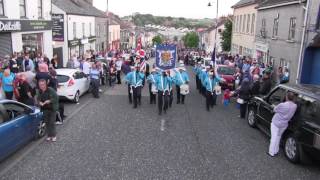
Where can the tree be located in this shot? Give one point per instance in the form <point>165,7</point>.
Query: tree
<point>191,40</point>
<point>226,36</point>
<point>157,40</point>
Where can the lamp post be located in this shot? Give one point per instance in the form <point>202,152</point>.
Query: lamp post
<point>215,34</point>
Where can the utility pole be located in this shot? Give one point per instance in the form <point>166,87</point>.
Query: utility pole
<point>107,25</point>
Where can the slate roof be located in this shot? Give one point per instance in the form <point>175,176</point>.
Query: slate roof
<point>78,7</point>
<point>242,3</point>
<point>266,3</point>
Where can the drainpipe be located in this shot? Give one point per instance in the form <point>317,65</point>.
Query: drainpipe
<point>298,78</point>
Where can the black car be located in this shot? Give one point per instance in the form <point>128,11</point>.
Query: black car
<point>302,136</point>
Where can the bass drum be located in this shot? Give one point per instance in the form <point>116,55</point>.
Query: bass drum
<point>184,89</point>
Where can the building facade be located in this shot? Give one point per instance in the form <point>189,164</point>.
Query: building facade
<point>244,28</point>
<point>279,33</point>
<point>26,29</point>
<point>114,35</point>
<point>309,73</point>
<point>210,39</point>
<point>101,33</point>
<point>79,27</point>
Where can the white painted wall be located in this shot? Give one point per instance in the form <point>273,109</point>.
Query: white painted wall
<point>79,20</point>
<point>12,9</point>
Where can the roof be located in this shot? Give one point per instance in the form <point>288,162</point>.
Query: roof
<point>266,3</point>
<point>78,7</point>
<point>242,3</point>
<point>305,89</point>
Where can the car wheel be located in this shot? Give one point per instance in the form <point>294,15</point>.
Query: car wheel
<point>76,97</point>
<point>291,149</point>
<point>41,129</point>
<point>251,117</point>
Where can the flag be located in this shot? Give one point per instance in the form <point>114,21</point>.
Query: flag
<point>166,56</point>
<point>213,56</point>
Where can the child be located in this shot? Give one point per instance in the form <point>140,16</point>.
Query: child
<point>226,97</point>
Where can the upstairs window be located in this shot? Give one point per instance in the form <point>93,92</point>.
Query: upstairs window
<point>22,5</point>
<point>40,9</point>
<point>292,28</point>
<point>83,30</point>
<point>74,30</point>
<point>253,19</point>
<point>318,20</point>
<point>1,8</point>
<point>248,23</point>
<point>275,27</point>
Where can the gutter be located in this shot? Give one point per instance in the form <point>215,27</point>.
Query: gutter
<point>279,5</point>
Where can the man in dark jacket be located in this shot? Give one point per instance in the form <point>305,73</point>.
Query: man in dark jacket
<point>255,87</point>
<point>266,84</point>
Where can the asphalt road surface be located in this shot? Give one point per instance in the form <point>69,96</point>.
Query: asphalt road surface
<point>107,139</point>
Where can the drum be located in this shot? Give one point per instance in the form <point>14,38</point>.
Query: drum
<point>154,89</point>
<point>217,90</point>
<point>184,89</point>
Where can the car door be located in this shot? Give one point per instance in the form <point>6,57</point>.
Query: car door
<point>266,107</point>
<point>8,136</point>
<point>78,82</point>
<point>86,81</point>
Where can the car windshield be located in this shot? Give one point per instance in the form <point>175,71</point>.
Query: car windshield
<point>226,70</point>
<point>310,109</point>
<point>62,78</point>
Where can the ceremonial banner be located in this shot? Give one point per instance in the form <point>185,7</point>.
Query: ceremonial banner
<point>166,56</point>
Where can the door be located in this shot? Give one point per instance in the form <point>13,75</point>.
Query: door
<point>5,44</point>
<point>79,81</point>
<point>86,81</point>
<point>8,137</point>
<point>59,52</point>
<point>266,107</point>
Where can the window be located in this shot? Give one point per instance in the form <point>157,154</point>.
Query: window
<point>40,8</point>
<point>244,23</point>
<point>277,96</point>
<point>23,8</point>
<point>90,32</point>
<point>263,28</point>
<point>1,8</point>
<point>309,108</point>
<point>14,110</point>
<point>248,23</point>
<point>318,20</point>
<point>237,22</point>
<point>98,30</point>
<point>275,27</point>
<point>292,28</point>
<point>253,19</point>
<point>83,30</point>
<point>74,30</point>
<point>240,23</point>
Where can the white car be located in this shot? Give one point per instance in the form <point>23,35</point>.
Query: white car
<point>72,83</point>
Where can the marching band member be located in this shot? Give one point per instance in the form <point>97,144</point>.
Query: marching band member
<point>197,71</point>
<point>152,86</point>
<point>129,85</point>
<point>210,83</point>
<point>163,82</point>
<point>135,79</point>
<point>203,76</point>
<point>181,79</point>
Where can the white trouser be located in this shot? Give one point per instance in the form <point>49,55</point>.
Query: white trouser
<point>276,134</point>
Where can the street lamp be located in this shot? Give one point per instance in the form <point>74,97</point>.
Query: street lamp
<point>107,25</point>
<point>215,34</point>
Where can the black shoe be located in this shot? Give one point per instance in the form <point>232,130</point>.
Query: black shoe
<point>269,154</point>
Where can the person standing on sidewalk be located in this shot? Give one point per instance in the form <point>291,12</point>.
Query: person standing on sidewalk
<point>48,101</point>
<point>283,114</point>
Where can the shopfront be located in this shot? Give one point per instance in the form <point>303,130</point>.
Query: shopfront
<point>30,36</point>
<point>262,51</point>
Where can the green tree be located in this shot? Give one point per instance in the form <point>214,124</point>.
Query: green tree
<point>157,40</point>
<point>191,40</point>
<point>226,36</point>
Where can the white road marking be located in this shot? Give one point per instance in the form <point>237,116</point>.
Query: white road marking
<point>162,127</point>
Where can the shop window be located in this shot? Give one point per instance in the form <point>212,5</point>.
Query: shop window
<point>33,43</point>
<point>40,15</point>
<point>292,28</point>
<point>22,5</point>
<point>1,8</point>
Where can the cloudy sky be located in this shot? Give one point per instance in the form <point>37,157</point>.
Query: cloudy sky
<point>175,8</point>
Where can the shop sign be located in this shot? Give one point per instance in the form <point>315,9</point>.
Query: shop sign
<point>262,47</point>
<point>74,42</point>
<point>92,38</point>
<point>58,27</point>
<point>24,25</point>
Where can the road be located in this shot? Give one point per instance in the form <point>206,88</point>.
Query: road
<point>107,139</point>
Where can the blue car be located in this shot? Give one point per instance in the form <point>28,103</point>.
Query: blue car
<point>19,124</point>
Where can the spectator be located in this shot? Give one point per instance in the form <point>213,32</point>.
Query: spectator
<point>13,65</point>
<point>70,64</point>
<point>266,83</point>
<point>7,79</point>
<point>55,61</point>
<point>27,63</point>
<point>25,91</point>
<point>244,96</point>
<point>255,88</point>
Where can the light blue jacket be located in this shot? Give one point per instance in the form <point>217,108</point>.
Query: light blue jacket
<point>181,78</point>
<point>164,83</point>
<point>152,78</point>
<point>134,79</point>
<point>211,83</point>
<point>203,76</point>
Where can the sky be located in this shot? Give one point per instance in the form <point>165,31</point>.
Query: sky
<point>197,9</point>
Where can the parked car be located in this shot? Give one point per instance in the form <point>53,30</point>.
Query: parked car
<point>72,83</point>
<point>226,72</point>
<point>19,124</point>
<point>303,133</point>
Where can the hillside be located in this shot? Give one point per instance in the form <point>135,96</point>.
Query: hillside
<point>144,19</point>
